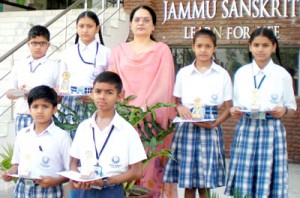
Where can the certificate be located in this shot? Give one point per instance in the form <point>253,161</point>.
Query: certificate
<point>21,176</point>
<point>179,119</point>
<point>76,176</point>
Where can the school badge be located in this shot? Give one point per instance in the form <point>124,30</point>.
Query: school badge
<point>274,98</point>
<point>214,98</point>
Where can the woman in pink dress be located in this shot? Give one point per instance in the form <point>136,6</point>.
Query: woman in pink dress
<point>146,68</point>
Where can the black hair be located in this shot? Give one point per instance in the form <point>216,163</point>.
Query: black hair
<point>95,18</point>
<point>38,30</point>
<point>268,33</point>
<point>111,78</point>
<point>42,92</point>
<point>207,32</point>
<point>150,10</point>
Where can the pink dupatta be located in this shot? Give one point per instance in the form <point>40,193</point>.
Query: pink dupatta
<point>150,77</point>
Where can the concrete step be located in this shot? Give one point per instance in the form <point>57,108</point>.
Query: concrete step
<point>7,131</point>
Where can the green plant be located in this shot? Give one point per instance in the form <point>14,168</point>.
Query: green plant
<point>21,2</point>
<point>151,132</point>
<point>6,158</point>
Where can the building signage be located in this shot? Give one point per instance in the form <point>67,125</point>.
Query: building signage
<point>230,9</point>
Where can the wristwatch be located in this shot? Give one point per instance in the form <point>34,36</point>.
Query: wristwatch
<point>104,182</point>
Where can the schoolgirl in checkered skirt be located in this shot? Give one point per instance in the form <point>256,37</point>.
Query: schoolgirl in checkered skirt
<point>198,147</point>
<point>81,64</point>
<point>258,164</point>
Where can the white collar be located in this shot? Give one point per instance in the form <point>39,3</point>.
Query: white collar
<point>91,46</point>
<point>42,60</point>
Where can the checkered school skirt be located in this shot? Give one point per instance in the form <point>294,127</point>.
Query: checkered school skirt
<point>25,190</point>
<point>70,102</point>
<point>22,121</point>
<point>258,165</point>
<point>199,157</point>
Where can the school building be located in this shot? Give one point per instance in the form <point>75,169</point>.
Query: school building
<point>233,22</point>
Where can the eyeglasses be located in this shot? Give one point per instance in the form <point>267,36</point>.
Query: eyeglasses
<point>41,44</point>
<point>143,19</point>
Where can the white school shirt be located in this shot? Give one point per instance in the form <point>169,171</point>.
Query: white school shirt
<point>213,87</point>
<point>83,74</point>
<point>123,148</point>
<point>32,73</point>
<point>48,151</point>
<point>275,90</point>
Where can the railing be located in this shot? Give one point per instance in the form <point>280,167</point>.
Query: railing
<point>74,5</point>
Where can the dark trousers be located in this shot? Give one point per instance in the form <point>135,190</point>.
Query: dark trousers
<point>109,192</point>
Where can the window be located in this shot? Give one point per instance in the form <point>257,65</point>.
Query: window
<point>233,58</point>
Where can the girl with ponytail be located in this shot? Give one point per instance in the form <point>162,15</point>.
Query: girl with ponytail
<point>263,95</point>
<point>82,62</point>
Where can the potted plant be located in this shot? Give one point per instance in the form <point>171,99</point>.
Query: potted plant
<point>144,120</point>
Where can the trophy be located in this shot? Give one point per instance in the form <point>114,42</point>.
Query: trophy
<point>87,170</point>
<point>24,170</point>
<point>254,106</point>
<point>64,88</point>
<point>197,112</point>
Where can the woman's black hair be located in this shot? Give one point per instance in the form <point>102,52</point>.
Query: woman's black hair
<point>268,33</point>
<point>211,34</point>
<point>150,10</point>
<point>95,18</point>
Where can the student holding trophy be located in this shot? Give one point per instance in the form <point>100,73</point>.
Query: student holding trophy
<point>263,94</point>
<point>82,62</point>
<point>198,147</point>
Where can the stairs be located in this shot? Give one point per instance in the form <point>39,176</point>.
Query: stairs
<point>14,28</point>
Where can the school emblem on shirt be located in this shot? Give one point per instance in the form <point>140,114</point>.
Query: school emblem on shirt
<point>274,98</point>
<point>214,98</point>
<point>115,162</point>
<point>115,159</point>
<point>45,162</point>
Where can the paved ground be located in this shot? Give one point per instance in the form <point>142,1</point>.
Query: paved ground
<point>6,189</point>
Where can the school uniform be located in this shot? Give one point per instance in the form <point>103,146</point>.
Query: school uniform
<point>199,152</point>
<point>83,63</point>
<point>123,147</point>
<point>258,165</point>
<point>44,154</point>
<point>31,73</point>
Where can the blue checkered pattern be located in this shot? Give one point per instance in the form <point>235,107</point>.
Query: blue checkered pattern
<point>22,121</point>
<point>24,190</point>
<point>81,90</point>
<point>71,103</point>
<point>258,165</point>
<point>199,156</point>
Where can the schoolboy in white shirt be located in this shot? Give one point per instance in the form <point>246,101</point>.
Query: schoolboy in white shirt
<point>36,70</point>
<point>107,140</point>
<point>41,149</point>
